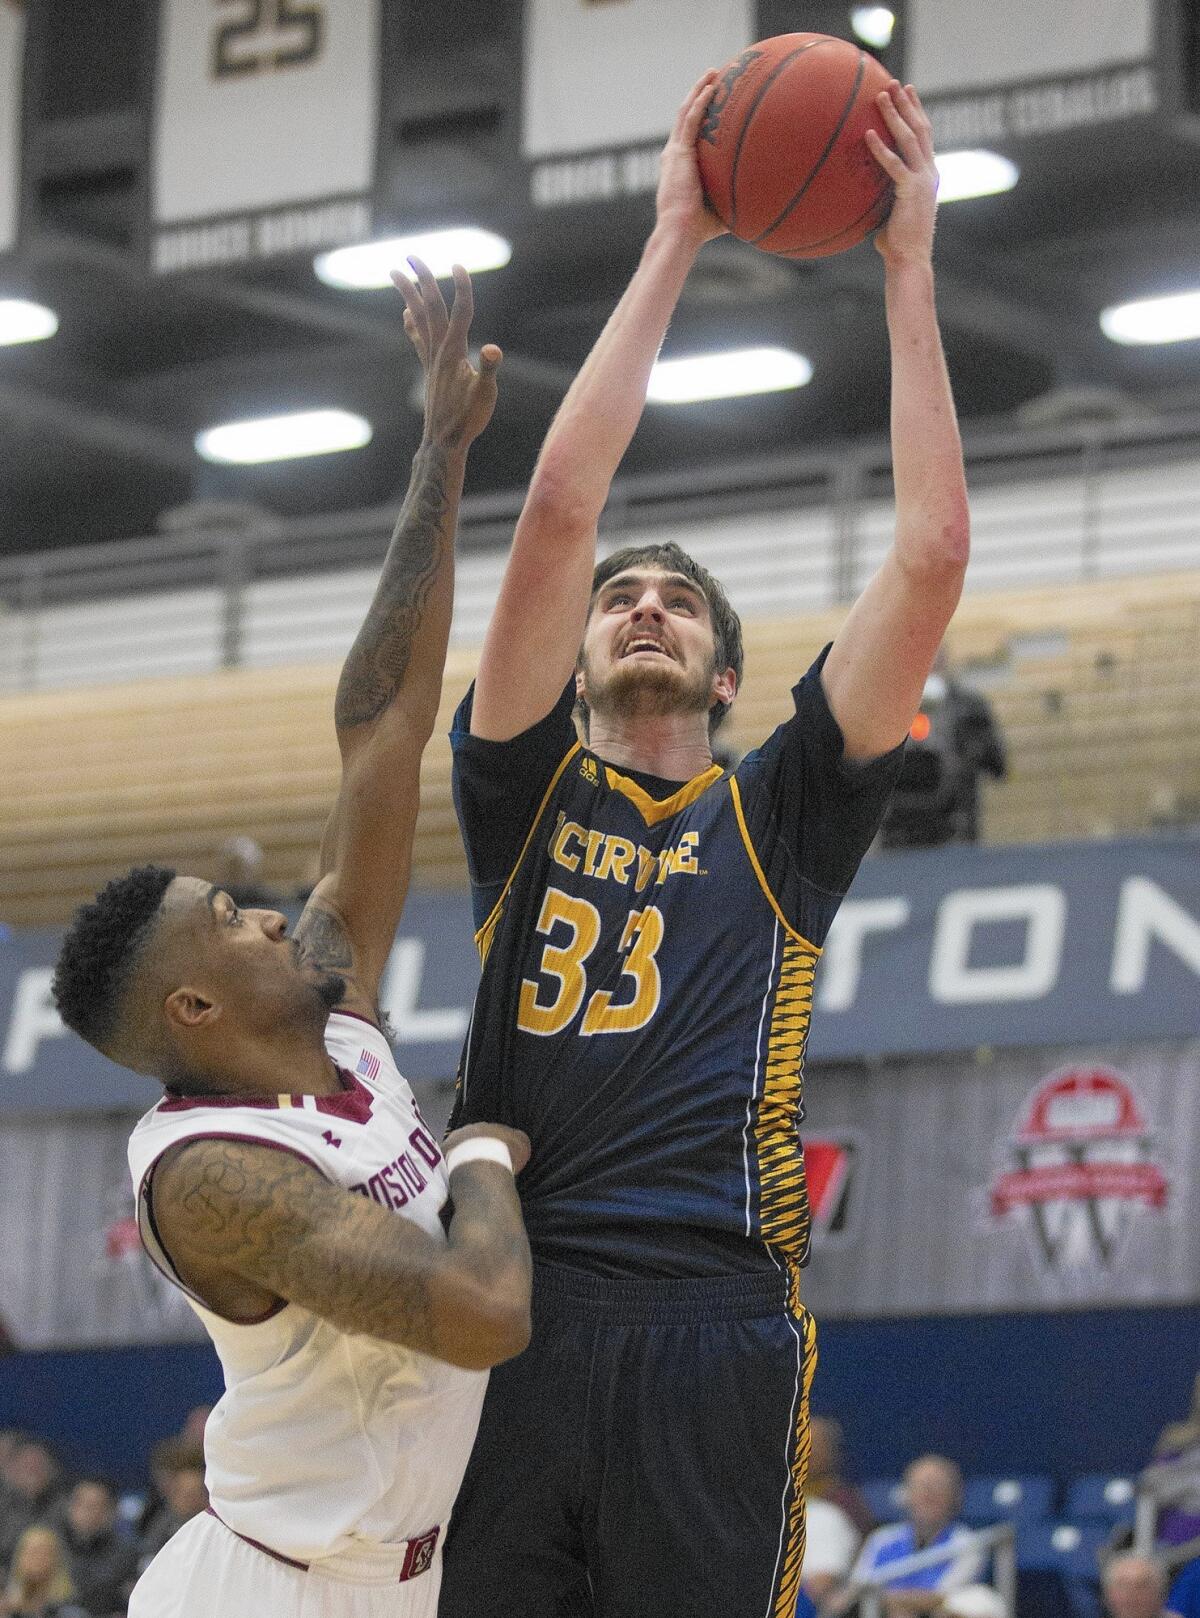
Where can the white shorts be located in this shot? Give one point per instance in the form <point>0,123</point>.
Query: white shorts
<point>206,1571</point>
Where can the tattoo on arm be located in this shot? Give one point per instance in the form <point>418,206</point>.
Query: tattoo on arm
<point>272,1219</point>
<point>379,658</point>
<point>324,939</point>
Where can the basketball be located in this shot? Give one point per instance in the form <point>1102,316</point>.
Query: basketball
<point>781,150</point>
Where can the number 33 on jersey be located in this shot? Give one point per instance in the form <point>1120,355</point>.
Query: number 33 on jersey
<point>625,926</point>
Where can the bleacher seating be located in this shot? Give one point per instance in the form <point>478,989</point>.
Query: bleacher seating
<point>1100,1498</point>
<point>1016,1499</point>
<point>1097,688</point>
<point>1058,1570</point>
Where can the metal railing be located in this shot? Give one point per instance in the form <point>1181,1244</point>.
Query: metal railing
<point>787,534</point>
<point>1162,1484</point>
<point>999,1543</point>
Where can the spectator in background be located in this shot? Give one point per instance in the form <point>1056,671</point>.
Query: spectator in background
<point>933,1495</point>
<point>974,1601</point>
<point>11,1439</point>
<point>103,1563</point>
<point>830,1546</point>
<point>1183,1598</point>
<point>33,1482</point>
<point>194,1423</point>
<point>954,740</point>
<point>826,1469</point>
<point>177,1468</point>
<point>39,1582</point>
<point>1134,1587</point>
<point>1177,1463</point>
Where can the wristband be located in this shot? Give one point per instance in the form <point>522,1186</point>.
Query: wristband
<point>479,1149</point>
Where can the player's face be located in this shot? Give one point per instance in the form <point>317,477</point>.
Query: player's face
<point>245,961</point>
<point>649,646</point>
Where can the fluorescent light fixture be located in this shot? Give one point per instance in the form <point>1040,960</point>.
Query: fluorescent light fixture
<point>369,265</point>
<point>25,322</point>
<point>974,174</point>
<point>1171,319</point>
<point>732,375</point>
<point>282,438</point>
<point>873,25</point>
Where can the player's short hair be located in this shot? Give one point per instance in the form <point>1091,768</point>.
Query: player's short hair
<point>101,949</point>
<point>727,626</point>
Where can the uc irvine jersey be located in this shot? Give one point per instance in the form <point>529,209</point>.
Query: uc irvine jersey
<point>326,1440</point>
<point>648,953</point>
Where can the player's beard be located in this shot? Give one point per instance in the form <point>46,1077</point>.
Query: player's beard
<point>637,689</point>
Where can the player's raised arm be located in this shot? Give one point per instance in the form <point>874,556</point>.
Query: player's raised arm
<point>537,626</point>
<point>247,1225</point>
<point>390,685</point>
<point>876,671</point>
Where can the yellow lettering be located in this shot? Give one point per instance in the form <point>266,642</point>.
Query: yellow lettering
<point>566,963</point>
<point>558,849</point>
<point>640,941</point>
<point>647,865</point>
<point>685,854</point>
<point>594,840</point>
<point>618,856</point>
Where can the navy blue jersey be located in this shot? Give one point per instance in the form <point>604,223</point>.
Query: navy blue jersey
<point>648,953</point>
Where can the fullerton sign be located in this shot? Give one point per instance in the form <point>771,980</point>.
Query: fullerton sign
<point>937,950</point>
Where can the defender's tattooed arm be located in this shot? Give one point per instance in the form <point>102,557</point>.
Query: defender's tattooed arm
<point>387,696</point>
<point>247,1226</point>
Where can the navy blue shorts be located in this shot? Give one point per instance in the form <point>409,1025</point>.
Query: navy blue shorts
<point>643,1458</point>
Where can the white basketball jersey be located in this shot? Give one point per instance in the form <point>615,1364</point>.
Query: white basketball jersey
<point>325,1439</point>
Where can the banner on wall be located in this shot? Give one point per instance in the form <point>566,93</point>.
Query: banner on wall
<point>947,949</point>
<point>995,73</point>
<point>265,129</point>
<point>12,57</point>
<point>602,82</point>
<point>1033,1179</point>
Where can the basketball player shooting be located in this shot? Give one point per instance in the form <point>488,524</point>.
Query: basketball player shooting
<point>286,1181</point>
<point>649,927</point>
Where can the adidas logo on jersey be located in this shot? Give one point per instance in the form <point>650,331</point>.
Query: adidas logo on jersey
<point>589,772</point>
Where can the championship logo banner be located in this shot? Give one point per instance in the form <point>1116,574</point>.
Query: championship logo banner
<point>602,82</point>
<point>265,128</point>
<point>991,73</point>
<point>1083,1166</point>
<point>12,54</point>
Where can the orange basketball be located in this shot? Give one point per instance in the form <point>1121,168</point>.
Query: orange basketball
<point>781,150</point>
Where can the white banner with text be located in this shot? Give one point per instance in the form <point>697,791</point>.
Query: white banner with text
<point>265,128</point>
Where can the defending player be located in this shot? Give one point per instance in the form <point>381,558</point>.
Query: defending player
<point>649,928</point>
<point>286,1180</point>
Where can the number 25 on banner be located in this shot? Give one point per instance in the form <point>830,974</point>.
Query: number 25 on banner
<point>640,941</point>
<point>265,35</point>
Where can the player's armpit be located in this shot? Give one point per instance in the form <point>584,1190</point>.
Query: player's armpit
<point>324,934</point>
<point>249,1212</point>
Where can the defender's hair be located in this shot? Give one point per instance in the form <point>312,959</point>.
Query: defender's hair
<point>100,951</point>
<point>727,626</point>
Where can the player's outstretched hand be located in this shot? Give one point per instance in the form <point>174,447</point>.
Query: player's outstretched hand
<point>516,1140</point>
<point>459,399</point>
<point>680,199</point>
<point>908,235</point>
